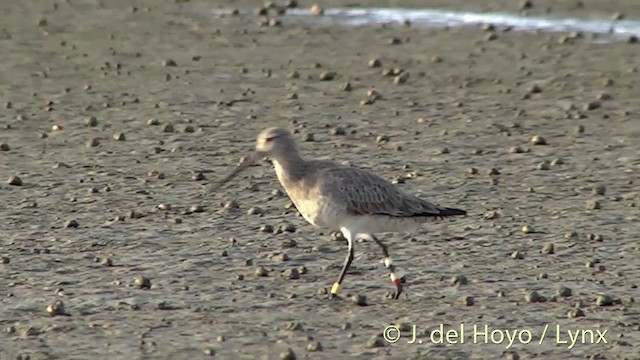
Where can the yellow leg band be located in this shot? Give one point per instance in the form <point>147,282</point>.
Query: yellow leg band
<point>335,288</point>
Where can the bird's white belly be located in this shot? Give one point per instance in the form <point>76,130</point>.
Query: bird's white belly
<point>319,212</point>
<point>373,224</point>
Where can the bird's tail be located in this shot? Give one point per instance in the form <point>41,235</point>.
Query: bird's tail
<point>451,212</point>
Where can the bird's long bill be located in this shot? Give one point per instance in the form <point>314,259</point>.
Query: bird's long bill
<point>248,161</point>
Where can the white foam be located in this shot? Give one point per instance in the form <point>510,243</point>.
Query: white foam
<point>614,29</point>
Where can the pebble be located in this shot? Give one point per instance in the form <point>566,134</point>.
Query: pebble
<point>538,140</point>
<point>91,121</point>
<point>327,76</point>
<point>288,355</point>
<point>254,210</point>
<point>543,166</point>
<point>71,223</point>
<point>169,62</point>
<point>548,249</point>
<point>119,137</point>
<point>516,150</point>
<point>359,300</point>
<point>534,297</point>
<point>563,291</point>
<point>591,105</point>
<point>458,280</point>
<point>316,10</point>
<point>375,341</point>
<point>56,309</point>
<point>527,229</point>
<point>93,142</point>
<point>4,147</point>
<point>261,271</point>
<point>517,255</point>
<point>599,190</point>
<point>286,227</point>
<point>468,300</point>
<point>593,204</point>
<point>142,282</point>
<point>374,63</point>
<point>14,180</point>
<point>604,300</point>
<point>289,243</point>
<point>314,346</point>
<point>291,274</point>
<point>574,313</point>
<point>106,261</point>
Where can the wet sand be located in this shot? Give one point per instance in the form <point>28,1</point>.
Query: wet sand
<point>117,120</point>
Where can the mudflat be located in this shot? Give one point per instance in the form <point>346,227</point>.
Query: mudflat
<point>118,116</point>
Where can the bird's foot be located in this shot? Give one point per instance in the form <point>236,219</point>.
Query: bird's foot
<point>333,295</point>
<point>398,283</point>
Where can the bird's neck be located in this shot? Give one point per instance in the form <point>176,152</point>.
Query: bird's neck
<point>288,167</point>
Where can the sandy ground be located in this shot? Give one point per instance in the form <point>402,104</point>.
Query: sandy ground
<point>138,143</point>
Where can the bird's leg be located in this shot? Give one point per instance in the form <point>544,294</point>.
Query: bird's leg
<point>397,281</point>
<point>347,263</point>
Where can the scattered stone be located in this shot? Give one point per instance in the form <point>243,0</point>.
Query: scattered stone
<point>591,105</point>
<point>574,313</point>
<point>309,137</point>
<point>14,180</point>
<point>198,176</point>
<point>168,128</point>
<point>142,282</point>
<point>543,166</point>
<point>196,209</point>
<point>288,355</point>
<point>289,243</point>
<point>605,300</point>
<point>327,76</point>
<point>593,204</point>
<point>57,309</point>
<point>375,342</point>
<point>468,300</point>
<point>490,36</point>
<point>534,297</point>
<point>374,63</point>
<point>359,300</point>
<point>381,139</point>
<point>119,137</point>
<point>91,121</point>
<point>169,62</point>
<point>314,346</point>
<point>93,142</point>
<point>563,291</point>
<point>493,171</point>
<point>517,255</point>
<point>534,89</point>
<point>291,274</point>
<point>106,261</point>
<point>538,140</point>
<point>266,228</point>
<point>458,280</point>
<point>71,223</point>
<point>153,122</point>
<point>261,271</point>
<point>527,229</point>
<point>254,210</point>
<point>286,227</point>
<point>4,147</point>
<point>316,10</point>
<point>599,190</point>
<point>548,249</point>
<point>516,150</point>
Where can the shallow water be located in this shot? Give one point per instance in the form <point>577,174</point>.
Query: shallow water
<point>611,30</point>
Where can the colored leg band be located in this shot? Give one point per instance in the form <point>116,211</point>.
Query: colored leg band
<point>335,288</point>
